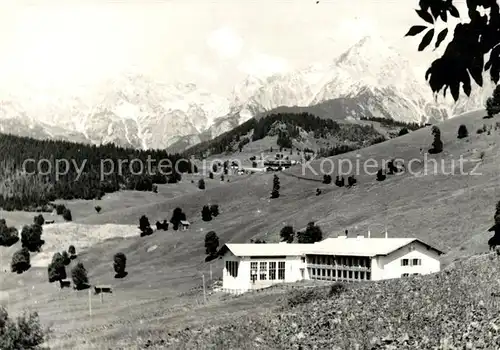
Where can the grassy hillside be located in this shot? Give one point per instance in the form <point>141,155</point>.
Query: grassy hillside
<point>451,212</point>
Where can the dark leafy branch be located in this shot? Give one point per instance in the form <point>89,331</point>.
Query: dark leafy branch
<point>464,57</point>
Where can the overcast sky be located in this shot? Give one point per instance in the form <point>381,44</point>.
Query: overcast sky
<point>215,44</point>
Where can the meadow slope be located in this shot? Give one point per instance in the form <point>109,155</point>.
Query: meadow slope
<point>451,212</point>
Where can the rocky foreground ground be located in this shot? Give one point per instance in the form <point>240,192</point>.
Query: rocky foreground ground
<point>458,308</point>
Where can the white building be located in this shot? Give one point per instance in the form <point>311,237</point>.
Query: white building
<point>256,266</point>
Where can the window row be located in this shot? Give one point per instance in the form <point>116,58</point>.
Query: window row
<point>339,260</point>
<point>329,274</point>
<point>411,262</point>
<point>267,271</point>
<point>232,268</point>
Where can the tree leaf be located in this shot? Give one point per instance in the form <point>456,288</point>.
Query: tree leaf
<point>441,36</point>
<point>424,4</point>
<point>476,69</point>
<point>415,30</point>
<point>453,11</point>
<point>494,56</point>
<point>495,73</point>
<point>435,10</point>
<point>426,40</point>
<point>426,16</point>
<point>443,16</point>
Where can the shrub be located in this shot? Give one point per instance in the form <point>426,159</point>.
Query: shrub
<point>462,132</point>
<point>312,234</point>
<point>97,209</point>
<point>72,251</point>
<point>31,237</point>
<point>392,168</point>
<point>201,184</point>
<point>211,175</point>
<point>145,226</point>
<point>275,193</point>
<point>57,269</point>
<point>211,243</point>
<point>493,102</point>
<point>437,144</point>
<point>403,131</point>
<point>20,261</point>
<point>66,258</point>
<point>39,220</point>
<point>339,181</point>
<point>79,277</point>
<point>174,177</point>
<point>165,225</point>
<point>24,333</point>
<point>214,209</point>
<point>206,214</point>
<point>327,179</point>
<point>67,215</point>
<point>8,235</point>
<point>318,192</point>
<point>380,175</point>
<point>351,181</point>
<point>177,217</point>
<point>60,209</point>
<point>287,233</point>
<point>119,265</point>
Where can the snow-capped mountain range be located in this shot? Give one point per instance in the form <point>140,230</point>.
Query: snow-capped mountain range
<point>369,79</point>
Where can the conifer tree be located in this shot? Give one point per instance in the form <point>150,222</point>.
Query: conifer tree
<point>493,102</point>
<point>206,214</point>
<point>462,132</point>
<point>275,193</point>
<point>437,144</point>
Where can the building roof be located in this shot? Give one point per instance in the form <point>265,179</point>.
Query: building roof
<point>332,246</point>
<point>183,222</point>
<point>364,246</point>
<point>267,249</point>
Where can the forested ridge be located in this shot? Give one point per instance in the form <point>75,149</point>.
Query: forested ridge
<point>28,170</point>
<point>256,129</point>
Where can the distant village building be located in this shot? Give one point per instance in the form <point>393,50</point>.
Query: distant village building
<point>185,225</point>
<point>255,170</point>
<point>278,163</point>
<point>256,266</point>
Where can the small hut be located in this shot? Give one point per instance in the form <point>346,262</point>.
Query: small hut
<point>185,225</point>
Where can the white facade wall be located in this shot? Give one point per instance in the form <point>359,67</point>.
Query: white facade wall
<point>385,267</point>
<point>229,282</point>
<point>294,271</point>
